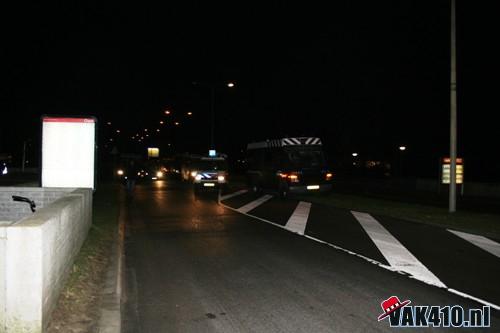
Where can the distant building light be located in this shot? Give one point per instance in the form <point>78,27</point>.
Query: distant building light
<point>354,154</point>
<point>153,152</point>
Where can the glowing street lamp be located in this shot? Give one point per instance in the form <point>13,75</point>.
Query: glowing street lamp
<point>354,154</point>
<point>402,148</point>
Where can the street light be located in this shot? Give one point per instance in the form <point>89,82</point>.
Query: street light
<point>402,148</point>
<point>212,87</point>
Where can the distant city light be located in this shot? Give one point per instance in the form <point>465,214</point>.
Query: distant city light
<point>354,154</point>
<point>402,148</point>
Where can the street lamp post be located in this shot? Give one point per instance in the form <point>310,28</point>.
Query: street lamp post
<point>212,116</point>
<point>213,87</point>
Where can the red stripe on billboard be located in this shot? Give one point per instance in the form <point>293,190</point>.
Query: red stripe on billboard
<point>68,120</point>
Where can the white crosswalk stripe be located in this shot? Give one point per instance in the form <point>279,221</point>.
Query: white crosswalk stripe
<point>231,195</point>
<point>298,221</point>
<point>254,204</point>
<point>394,252</point>
<point>480,241</point>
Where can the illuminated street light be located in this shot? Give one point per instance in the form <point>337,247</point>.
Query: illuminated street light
<point>161,122</point>
<point>189,113</point>
<point>167,111</point>
<point>177,123</point>
<point>354,154</point>
<point>145,130</point>
<point>230,84</point>
<point>109,123</point>
<point>118,131</point>
<point>402,148</point>
<point>157,129</point>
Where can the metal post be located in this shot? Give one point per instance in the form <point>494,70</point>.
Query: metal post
<point>453,116</point>
<point>24,156</point>
<point>212,116</point>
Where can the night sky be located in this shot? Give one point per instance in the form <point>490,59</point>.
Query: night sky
<point>366,77</point>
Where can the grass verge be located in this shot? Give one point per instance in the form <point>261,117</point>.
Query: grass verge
<point>477,223</point>
<point>77,309</point>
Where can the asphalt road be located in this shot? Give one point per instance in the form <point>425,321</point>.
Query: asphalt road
<point>193,265</point>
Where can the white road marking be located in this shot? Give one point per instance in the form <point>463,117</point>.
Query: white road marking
<point>480,241</point>
<point>298,221</point>
<point>394,252</point>
<point>372,261</point>
<point>251,205</point>
<point>228,196</point>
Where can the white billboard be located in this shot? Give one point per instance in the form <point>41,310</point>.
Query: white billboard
<point>68,151</point>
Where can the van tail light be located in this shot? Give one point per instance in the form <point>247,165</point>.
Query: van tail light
<point>291,177</point>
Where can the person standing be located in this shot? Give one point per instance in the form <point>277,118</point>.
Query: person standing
<point>131,173</point>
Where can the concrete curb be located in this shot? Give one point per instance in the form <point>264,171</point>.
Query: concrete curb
<point>110,317</point>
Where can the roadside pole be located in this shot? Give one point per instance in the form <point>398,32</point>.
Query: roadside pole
<point>453,116</point>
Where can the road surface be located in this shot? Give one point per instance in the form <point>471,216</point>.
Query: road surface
<point>244,265</point>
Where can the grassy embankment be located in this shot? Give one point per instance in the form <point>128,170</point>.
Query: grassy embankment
<point>77,308</point>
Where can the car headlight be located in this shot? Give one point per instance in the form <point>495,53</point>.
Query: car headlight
<point>197,177</point>
<point>194,174</point>
<point>159,174</point>
<point>221,178</point>
<point>119,172</point>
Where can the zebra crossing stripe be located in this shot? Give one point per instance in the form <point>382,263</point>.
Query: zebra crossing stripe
<point>228,196</point>
<point>394,252</point>
<point>298,221</point>
<point>479,241</point>
<point>251,205</point>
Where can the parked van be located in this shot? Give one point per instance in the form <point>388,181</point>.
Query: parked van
<point>288,165</point>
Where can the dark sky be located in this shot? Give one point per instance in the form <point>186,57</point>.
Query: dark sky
<point>366,76</point>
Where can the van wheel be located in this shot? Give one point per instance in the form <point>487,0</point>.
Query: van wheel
<point>255,186</point>
<point>283,192</point>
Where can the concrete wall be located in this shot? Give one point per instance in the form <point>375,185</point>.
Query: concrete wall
<point>36,256</point>
<point>13,210</point>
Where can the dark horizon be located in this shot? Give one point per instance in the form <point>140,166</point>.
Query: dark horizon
<point>364,77</point>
